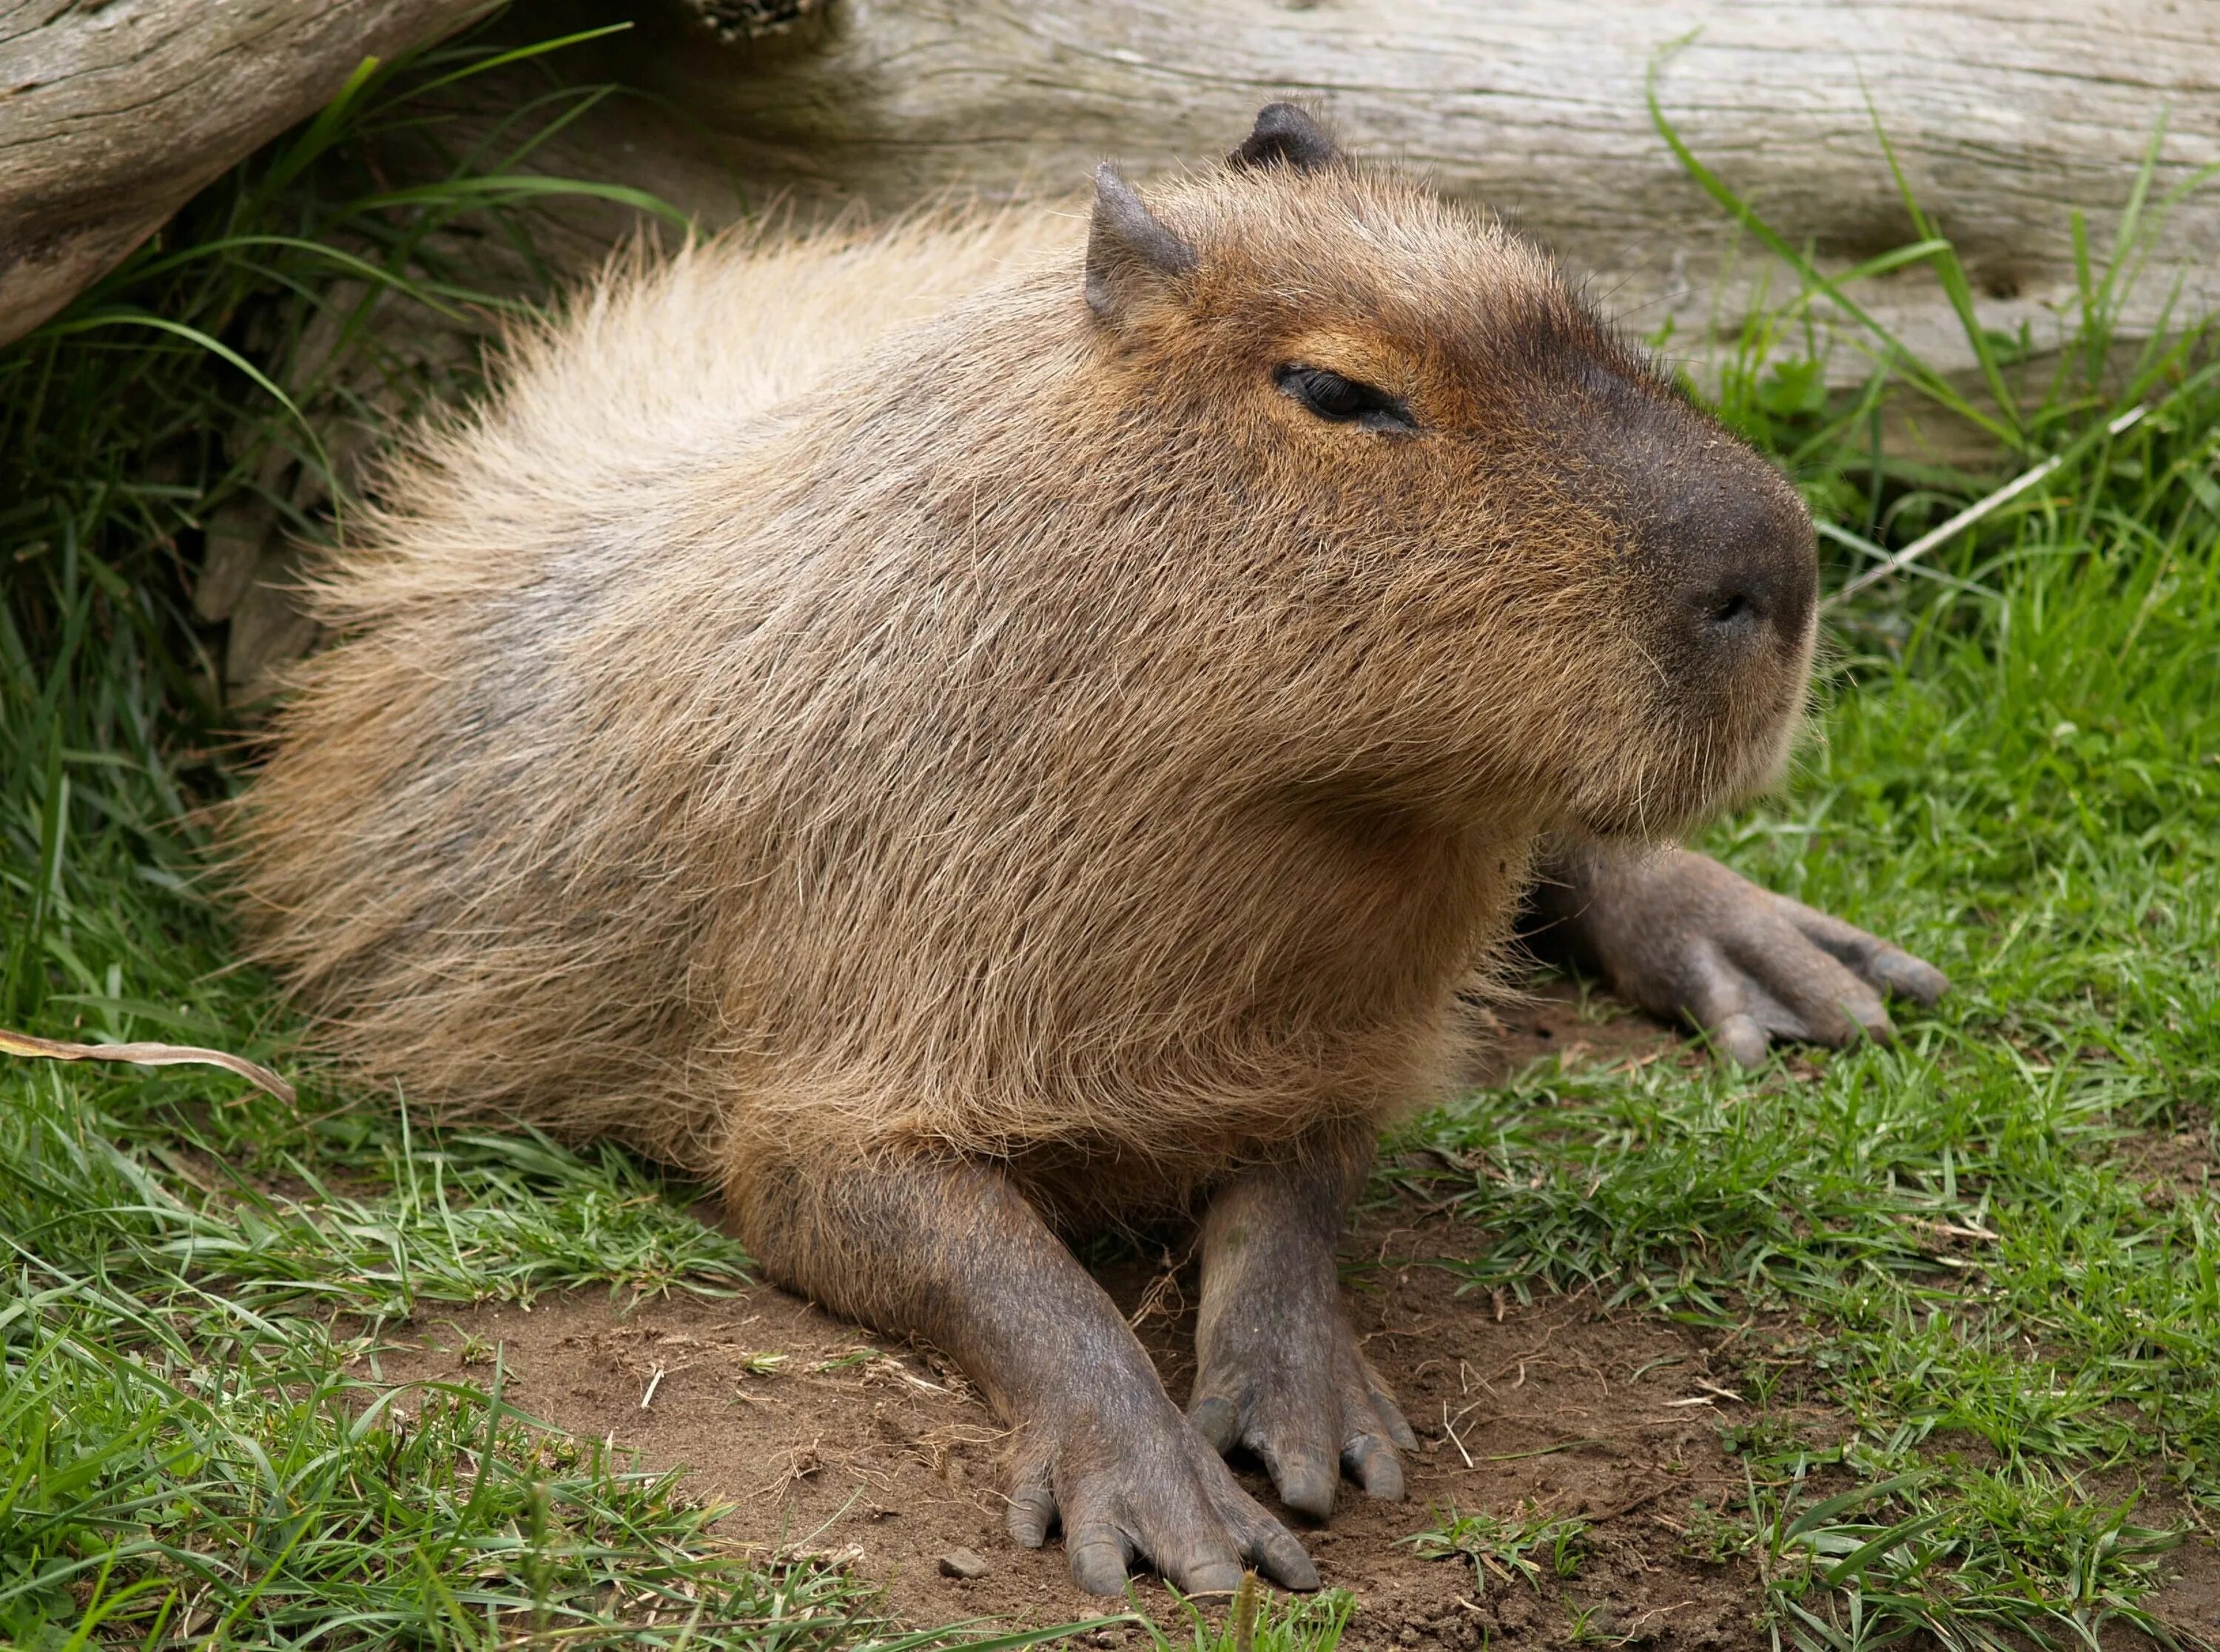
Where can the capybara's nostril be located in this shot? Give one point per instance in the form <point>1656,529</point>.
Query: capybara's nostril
<point>1736,611</point>
<point>1762,583</point>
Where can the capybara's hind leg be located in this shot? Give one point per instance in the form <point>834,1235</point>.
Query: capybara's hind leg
<point>951,1251</point>
<point>1277,1369</point>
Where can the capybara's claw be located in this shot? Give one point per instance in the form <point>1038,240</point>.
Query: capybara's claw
<point>1306,1402</point>
<point>1147,1490</point>
<point>1373,1464</point>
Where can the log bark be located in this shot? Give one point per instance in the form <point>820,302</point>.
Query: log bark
<point>113,112</point>
<point>2006,116</point>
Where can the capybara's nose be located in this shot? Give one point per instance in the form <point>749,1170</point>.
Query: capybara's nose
<point>1750,567</point>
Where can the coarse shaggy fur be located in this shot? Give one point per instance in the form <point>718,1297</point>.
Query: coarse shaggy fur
<point>844,693</point>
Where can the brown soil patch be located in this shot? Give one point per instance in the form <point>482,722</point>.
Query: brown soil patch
<point>1576,1024</point>
<point>827,1440</point>
<point>856,1447</point>
<point>2190,1604</point>
<point>2171,1165</point>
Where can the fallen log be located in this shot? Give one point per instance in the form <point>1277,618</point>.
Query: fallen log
<point>2006,116</point>
<point>112,114</point>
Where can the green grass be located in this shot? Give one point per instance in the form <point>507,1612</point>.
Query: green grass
<point>1257,1620</point>
<point>1979,1335</point>
<point>1527,1546</point>
<point>1951,1247</point>
<point>192,1448</point>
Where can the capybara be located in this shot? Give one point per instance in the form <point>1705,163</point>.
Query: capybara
<point>963,737</point>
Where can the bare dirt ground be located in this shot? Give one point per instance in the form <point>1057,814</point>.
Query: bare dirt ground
<point>827,1440</point>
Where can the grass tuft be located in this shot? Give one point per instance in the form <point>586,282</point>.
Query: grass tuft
<point>1527,1547</point>
<point>1258,1620</point>
<point>1991,1242</point>
<point>238,1489</point>
<point>190,1448</point>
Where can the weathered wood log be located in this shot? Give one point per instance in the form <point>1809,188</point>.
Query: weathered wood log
<point>2006,116</point>
<point>112,114</point>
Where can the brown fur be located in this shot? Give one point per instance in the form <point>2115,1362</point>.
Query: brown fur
<point>932,729</point>
<point>1038,738</point>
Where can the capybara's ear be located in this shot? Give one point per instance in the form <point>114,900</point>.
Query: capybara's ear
<point>1285,135</point>
<point>1130,252</point>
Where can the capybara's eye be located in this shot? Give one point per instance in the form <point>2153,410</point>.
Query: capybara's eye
<point>1344,401</point>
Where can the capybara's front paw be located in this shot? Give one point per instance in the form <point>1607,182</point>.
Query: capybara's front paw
<point>1296,1391</point>
<point>1130,1480</point>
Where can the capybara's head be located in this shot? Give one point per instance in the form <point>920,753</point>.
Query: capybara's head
<point>1525,564</point>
